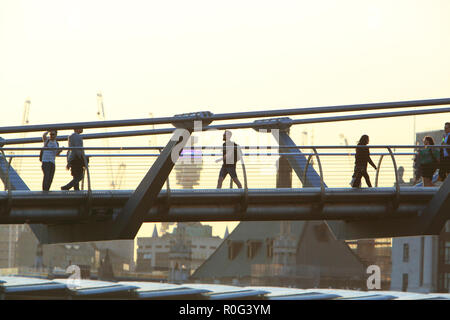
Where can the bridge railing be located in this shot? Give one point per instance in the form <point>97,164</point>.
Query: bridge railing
<point>198,168</point>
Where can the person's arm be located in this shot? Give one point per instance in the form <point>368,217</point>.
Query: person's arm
<point>370,160</point>
<point>69,143</point>
<point>58,152</point>
<point>44,136</point>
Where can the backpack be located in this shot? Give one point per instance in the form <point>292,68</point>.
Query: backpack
<point>45,145</point>
<point>236,152</point>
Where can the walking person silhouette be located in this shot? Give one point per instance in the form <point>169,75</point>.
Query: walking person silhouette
<point>362,157</point>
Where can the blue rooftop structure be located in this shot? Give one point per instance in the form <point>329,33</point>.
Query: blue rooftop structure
<point>18,288</point>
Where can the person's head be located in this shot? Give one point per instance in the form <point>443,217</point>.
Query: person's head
<point>78,130</point>
<point>364,140</point>
<point>53,134</point>
<point>227,135</point>
<point>428,141</point>
<point>447,127</point>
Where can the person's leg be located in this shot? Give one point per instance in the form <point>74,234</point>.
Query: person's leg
<point>427,182</point>
<point>44,179</point>
<point>357,178</point>
<point>77,172</point>
<point>49,170</point>
<point>367,178</point>
<point>70,184</point>
<point>222,174</point>
<point>233,175</point>
<point>51,174</point>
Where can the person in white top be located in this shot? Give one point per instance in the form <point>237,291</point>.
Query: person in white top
<point>48,158</point>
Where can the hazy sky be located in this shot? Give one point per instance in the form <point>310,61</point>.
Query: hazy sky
<point>174,56</point>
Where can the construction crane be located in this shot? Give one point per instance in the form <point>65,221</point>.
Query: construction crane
<point>116,181</point>
<point>153,139</point>
<point>25,121</point>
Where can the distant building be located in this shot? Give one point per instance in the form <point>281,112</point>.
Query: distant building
<point>86,254</point>
<point>8,245</point>
<point>297,253</point>
<point>189,245</point>
<point>375,252</point>
<point>422,264</point>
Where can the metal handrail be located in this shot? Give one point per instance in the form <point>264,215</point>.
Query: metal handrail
<point>397,185</point>
<point>242,147</point>
<point>229,116</point>
<point>103,155</point>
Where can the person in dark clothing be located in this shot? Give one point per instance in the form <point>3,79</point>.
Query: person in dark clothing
<point>76,161</point>
<point>429,161</point>
<point>362,157</point>
<point>231,154</point>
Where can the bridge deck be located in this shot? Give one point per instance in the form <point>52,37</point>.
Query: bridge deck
<point>218,205</point>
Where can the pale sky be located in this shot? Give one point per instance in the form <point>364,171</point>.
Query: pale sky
<point>169,57</point>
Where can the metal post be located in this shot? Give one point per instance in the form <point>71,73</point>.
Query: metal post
<point>378,170</point>
<point>133,213</point>
<point>397,185</point>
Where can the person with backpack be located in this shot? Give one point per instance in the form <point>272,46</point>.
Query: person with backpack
<point>429,161</point>
<point>231,155</point>
<point>76,160</point>
<point>47,157</point>
<point>362,157</point>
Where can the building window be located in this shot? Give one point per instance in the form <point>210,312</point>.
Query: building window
<point>234,247</point>
<point>252,248</point>
<point>405,252</point>
<point>213,248</point>
<point>446,281</point>
<point>269,248</point>
<point>202,247</point>
<point>405,282</point>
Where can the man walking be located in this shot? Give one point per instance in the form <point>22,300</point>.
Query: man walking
<point>75,160</point>
<point>231,154</point>
<point>47,158</point>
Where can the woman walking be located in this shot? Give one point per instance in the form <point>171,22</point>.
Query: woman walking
<point>362,157</point>
<point>429,161</point>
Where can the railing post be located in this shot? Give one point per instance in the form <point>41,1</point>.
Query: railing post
<point>89,191</point>
<point>397,185</point>
<point>306,167</point>
<point>378,170</point>
<point>244,203</point>
<point>322,184</point>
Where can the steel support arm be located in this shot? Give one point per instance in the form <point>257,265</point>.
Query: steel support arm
<point>132,216</point>
<point>436,214</point>
<point>12,180</point>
